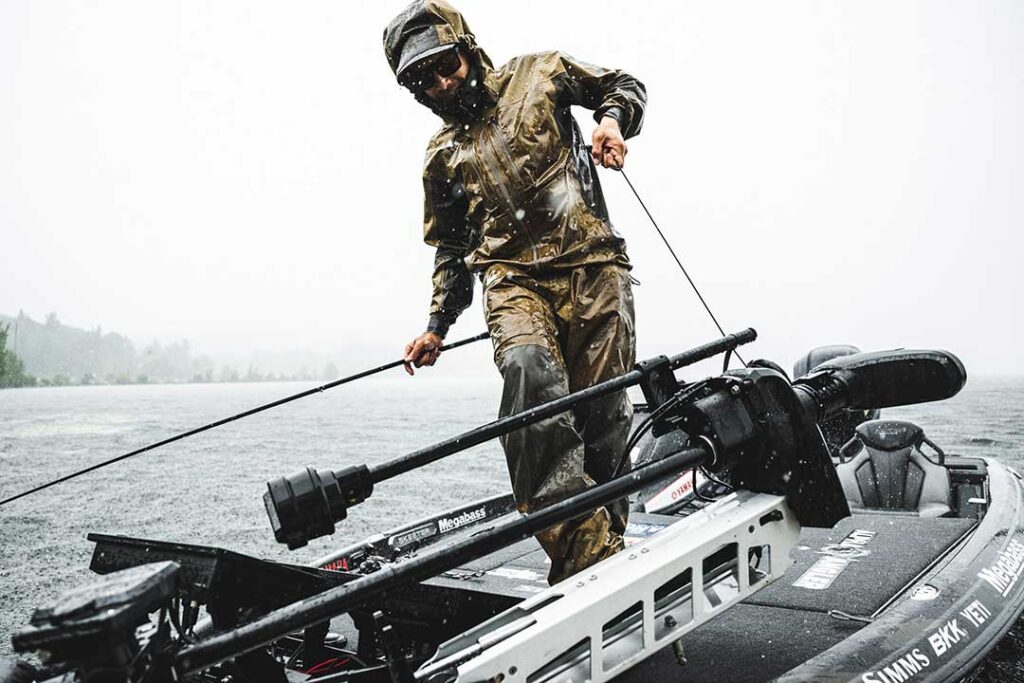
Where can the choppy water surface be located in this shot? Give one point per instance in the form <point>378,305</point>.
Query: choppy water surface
<point>207,489</point>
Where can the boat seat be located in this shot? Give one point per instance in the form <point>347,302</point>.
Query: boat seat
<point>887,472</point>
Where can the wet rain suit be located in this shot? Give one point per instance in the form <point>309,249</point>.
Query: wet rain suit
<point>512,195</point>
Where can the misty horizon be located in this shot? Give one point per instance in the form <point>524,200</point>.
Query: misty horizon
<point>248,176</point>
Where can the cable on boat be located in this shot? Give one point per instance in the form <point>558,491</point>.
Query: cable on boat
<point>678,262</point>
<point>648,422</point>
<point>238,416</point>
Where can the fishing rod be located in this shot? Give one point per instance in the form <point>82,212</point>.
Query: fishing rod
<point>252,411</point>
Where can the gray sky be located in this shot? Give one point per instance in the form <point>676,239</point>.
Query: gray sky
<point>247,174</point>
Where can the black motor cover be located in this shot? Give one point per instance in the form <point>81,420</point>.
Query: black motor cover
<point>97,622</point>
<point>767,441</point>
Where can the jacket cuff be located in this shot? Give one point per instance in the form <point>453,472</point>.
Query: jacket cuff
<point>438,325</point>
<point>615,112</point>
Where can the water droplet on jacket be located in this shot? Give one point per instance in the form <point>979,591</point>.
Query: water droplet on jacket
<point>520,214</point>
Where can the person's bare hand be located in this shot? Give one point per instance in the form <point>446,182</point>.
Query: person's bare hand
<point>609,149</point>
<point>423,350</point>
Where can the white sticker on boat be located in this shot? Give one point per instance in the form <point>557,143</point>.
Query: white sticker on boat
<point>680,489</point>
<point>517,574</point>
<point>836,557</point>
<point>822,573</point>
<point>903,668</point>
<point>941,644</point>
<point>1003,575</point>
<point>947,635</point>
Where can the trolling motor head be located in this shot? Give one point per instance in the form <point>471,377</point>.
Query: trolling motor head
<point>841,427</point>
<point>307,503</point>
<point>881,379</point>
<point>764,431</point>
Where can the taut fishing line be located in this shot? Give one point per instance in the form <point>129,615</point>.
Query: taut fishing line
<point>678,262</point>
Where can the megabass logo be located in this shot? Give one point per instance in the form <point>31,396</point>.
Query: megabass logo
<point>1007,569</point>
<point>446,524</point>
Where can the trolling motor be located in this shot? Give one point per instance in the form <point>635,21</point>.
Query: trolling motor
<point>751,422</point>
<point>308,503</point>
<point>755,425</point>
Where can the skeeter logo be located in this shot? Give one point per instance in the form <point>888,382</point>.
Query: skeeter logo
<point>412,535</point>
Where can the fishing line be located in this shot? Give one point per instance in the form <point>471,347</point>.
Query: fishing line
<point>239,416</point>
<point>678,262</point>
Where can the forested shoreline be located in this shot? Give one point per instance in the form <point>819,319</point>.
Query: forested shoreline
<point>49,353</point>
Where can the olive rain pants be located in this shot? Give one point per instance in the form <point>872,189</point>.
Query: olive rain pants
<point>552,336</point>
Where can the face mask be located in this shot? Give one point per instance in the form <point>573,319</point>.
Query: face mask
<point>468,104</point>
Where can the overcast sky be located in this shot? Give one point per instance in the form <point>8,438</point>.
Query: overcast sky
<point>247,174</point>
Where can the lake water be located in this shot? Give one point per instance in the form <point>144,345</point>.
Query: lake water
<point>208,489</point>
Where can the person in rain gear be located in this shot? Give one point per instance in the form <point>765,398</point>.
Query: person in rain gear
<point>512,195</point>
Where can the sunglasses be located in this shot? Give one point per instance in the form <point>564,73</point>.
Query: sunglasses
<point>421,77</point>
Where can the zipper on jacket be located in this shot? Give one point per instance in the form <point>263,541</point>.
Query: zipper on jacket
<point>489,152</point>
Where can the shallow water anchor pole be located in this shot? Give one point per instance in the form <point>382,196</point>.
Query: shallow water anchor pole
<point>343,598</point>
<point>307,504</point>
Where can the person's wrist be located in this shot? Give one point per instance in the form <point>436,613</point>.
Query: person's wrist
<point>437,325</point>
<point>607,120</point>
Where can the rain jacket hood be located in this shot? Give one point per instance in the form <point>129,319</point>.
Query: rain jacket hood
<point>427,26</point>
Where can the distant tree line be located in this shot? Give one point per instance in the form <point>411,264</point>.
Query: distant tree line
<point>12,369</point>
<point>53,354</point>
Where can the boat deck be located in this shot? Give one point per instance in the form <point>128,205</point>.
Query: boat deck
<point>855,568</point>
<point>840,579</point>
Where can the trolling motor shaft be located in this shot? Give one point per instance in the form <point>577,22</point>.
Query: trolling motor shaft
<point>308,503</point>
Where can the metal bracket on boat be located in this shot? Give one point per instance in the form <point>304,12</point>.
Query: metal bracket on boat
<point>657,381</point>
<point>597,624</point>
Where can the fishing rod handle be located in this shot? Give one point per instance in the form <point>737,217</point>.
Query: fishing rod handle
<point>727,343</point>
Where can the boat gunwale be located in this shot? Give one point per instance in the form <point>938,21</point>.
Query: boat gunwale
<point>871,648</point>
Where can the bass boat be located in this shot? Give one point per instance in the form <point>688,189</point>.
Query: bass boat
<point>779,530</point>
